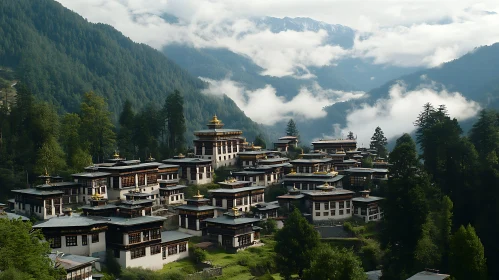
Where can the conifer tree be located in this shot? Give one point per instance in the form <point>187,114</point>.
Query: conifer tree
<point>291,129</point>
<point>125,135</point>
<point>174,112</point>
<point>379,142</point>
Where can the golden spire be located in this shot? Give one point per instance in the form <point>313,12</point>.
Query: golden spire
<point>294,187</point>
<point>326,184</point>
<point>198,195</point>
<point>235,210</point>
<point>116,154</point>
<point>215,120</point>
<point>150,156</point>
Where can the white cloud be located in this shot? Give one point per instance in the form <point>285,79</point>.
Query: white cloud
<point>429,45</point>
<point>264,106</point>
<point>396,114</point>
<point>403,33</point>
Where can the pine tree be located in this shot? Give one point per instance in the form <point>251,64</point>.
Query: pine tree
<point>291,129</point>
<point>125,139</point>
<point>379,142</point>
<point>174,112</point>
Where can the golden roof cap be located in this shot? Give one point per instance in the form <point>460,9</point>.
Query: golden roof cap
<point>198,195</point>
<point>215,120</point>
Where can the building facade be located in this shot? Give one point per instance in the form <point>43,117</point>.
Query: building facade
<point>217,144</point>
<point>241,195</point>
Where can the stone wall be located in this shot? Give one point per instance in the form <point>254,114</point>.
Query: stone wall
<point>205,273</point>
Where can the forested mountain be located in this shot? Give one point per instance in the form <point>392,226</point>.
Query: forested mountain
<point>60,56</point>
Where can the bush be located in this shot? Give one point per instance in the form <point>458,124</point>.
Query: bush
<point>197,255</point>
<point>139,273</point>
<point>347,226</point>
<point>371,254</point>
<point>266,276</point>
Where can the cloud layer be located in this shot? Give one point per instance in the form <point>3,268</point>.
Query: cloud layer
<point>264,106</point>
<point>402,33</point>
<point>396,114</point>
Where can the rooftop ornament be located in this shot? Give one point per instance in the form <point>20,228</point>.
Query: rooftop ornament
<point>198,195</point>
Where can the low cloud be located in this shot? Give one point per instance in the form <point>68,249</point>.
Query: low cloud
<point>264,106</point>
<point>429,44</point>
<point>397,113</point>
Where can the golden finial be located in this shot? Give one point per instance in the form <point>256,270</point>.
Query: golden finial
<point>46,172</point>
<point>326,184</point>
<point>235,210</point>
<point>215,120</point>
<point>116,154</point>
<point>198,195</point>
<point>150,156</point>
<point>294,187</point>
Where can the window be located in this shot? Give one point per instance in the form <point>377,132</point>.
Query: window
<point>55,242</point>
<point>84,240</point>
<point>317,214</point>
<point>138,253</point>
<point>333,204</point>
<point>95,238</point>
<point>333,212</point>
<point>71,241</point>
<point>341,212</point>
<point>326,214</point>
<point>155,234</point>
<point>326,205</point>
<point>342,204</point>
<point>348,203</point>
<point>172,250</point>
<point>89,191</point>
<point>155,249</point>
<point>348,210</point>
<point>146,235</point>
<point>317,206</point>
<point>116,253</point>
<point>182,247</point>
<point>134,237</point>
<point>164,252</point>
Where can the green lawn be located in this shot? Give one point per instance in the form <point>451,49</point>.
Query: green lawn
<point>234,266</point>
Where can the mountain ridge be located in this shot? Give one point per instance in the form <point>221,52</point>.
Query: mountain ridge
<point>60,55</point>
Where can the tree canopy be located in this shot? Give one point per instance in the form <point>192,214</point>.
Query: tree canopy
<point>291,129</point>
<point>329,263</point>
<point>379,142</point>
<point>295,245</point>
<point>32,261</point>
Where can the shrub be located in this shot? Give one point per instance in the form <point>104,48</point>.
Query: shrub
<point>197,255</point>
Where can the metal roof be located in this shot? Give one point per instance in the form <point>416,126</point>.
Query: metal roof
<point>367,199</point>
<point>91,174</point>
<point>173,235</point>
<point>426,275</point>
<point>38,192</point>
<point>195,208</point>
<point>68,261</point>
<point>231,220</point>
<point>243,189</point>
<point>327,193</point>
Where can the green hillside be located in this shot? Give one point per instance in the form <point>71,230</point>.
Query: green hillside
<point>60,56</point>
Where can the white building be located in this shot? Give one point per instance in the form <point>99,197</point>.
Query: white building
<point>329,203</point>
<point>77,267</point>
<point>44,204</point>
<point>241,195</point>
<point>367,207</point>
<point>217,144</point>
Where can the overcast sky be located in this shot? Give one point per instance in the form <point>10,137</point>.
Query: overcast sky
<point>391,32</point>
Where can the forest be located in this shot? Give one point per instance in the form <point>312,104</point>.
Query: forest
<point>35,139</point>
<point>60,56</point>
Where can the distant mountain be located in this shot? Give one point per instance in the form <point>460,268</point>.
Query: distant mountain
<point>346,74</point>
<point>475,75</point>
<point>60,56</point>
